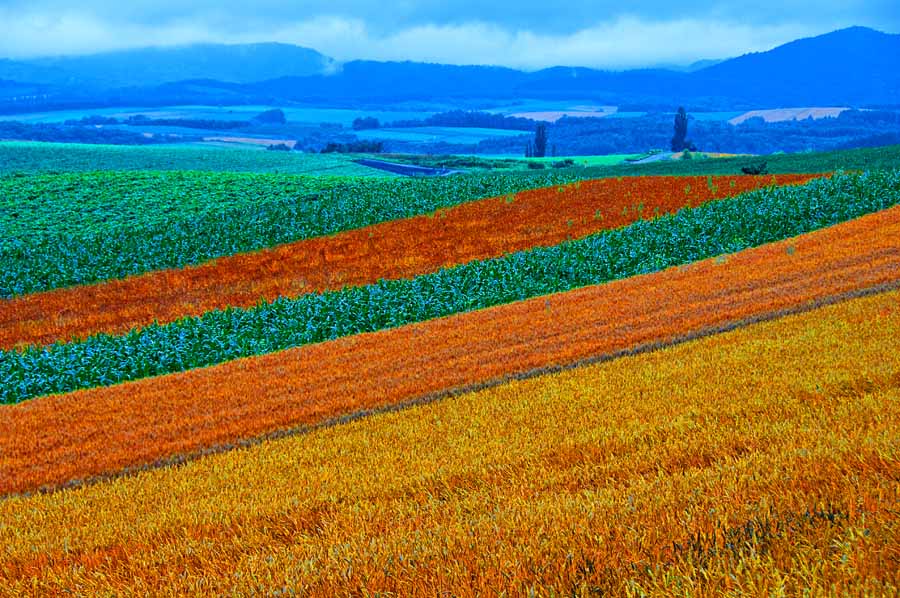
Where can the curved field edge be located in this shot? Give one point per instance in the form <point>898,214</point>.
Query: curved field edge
<point>201,216</point>
<point>762,458</point>
<point>403,248</point>
<point>692,234</point>
<point>49,442</point>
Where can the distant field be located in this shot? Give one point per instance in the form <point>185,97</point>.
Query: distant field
<point>608,160</point>
<point>858,159</point>
<point>438,134</point>
<point>714,115</point>
<point>586,111</point>
<point>783,114</point>
<point>294,114</point>
<point>554,110</point>
<point>552,106</point>
<point>614,165</point>
<point>550,111</point>
<point>31,157</point>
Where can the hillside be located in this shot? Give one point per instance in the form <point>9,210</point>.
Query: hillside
<point>851,66</point>
<point>155,66</point>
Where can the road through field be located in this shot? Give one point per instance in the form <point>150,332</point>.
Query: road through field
<point>51,441</point>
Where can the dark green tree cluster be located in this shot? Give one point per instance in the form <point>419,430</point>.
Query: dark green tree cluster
<point>271,117</point>
<point>369,122</point>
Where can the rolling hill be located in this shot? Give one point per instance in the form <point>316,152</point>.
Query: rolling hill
<point>851,67</point>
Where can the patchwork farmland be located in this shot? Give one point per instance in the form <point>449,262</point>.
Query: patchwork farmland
<point>587,381</point>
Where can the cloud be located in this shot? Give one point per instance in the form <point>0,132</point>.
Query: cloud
<point>554,18</point>
<point>47,27</point>
<point>44,34</point>
<point>624,43</point>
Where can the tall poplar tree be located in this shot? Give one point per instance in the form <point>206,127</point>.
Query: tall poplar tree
<point>679,141</point>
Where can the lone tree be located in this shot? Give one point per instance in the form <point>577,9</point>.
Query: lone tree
<point>540,141</point>
<point>679,141</point>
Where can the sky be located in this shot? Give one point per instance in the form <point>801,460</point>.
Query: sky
<point>524,34</point>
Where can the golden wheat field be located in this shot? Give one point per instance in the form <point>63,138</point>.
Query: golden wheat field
<point>762,461</point>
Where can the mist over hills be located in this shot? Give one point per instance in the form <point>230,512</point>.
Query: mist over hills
<point>244,63</point>
<point>855,67</point>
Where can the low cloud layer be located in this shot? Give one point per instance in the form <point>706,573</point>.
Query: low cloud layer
<point>471,33</point>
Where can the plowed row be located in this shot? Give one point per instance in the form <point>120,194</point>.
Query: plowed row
<point>396,249</point>
<point>51,441</point>
<point>757,462</point>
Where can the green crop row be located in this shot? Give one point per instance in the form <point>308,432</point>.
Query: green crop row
<point>70,229</point>
<point>692,234</point>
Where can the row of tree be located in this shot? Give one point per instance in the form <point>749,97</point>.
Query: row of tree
<point>538,147</point>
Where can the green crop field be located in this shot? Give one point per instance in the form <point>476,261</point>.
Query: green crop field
<point>32,157</point>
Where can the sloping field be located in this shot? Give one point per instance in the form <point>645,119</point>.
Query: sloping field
<point>54,440</point>
<point>758,462</point>
<point>395,249</point>
<point>712,229</point>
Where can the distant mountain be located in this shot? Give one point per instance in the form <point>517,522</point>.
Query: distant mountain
<point>155,66</point>
<point>851,67</point>
<point>855,66</point>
